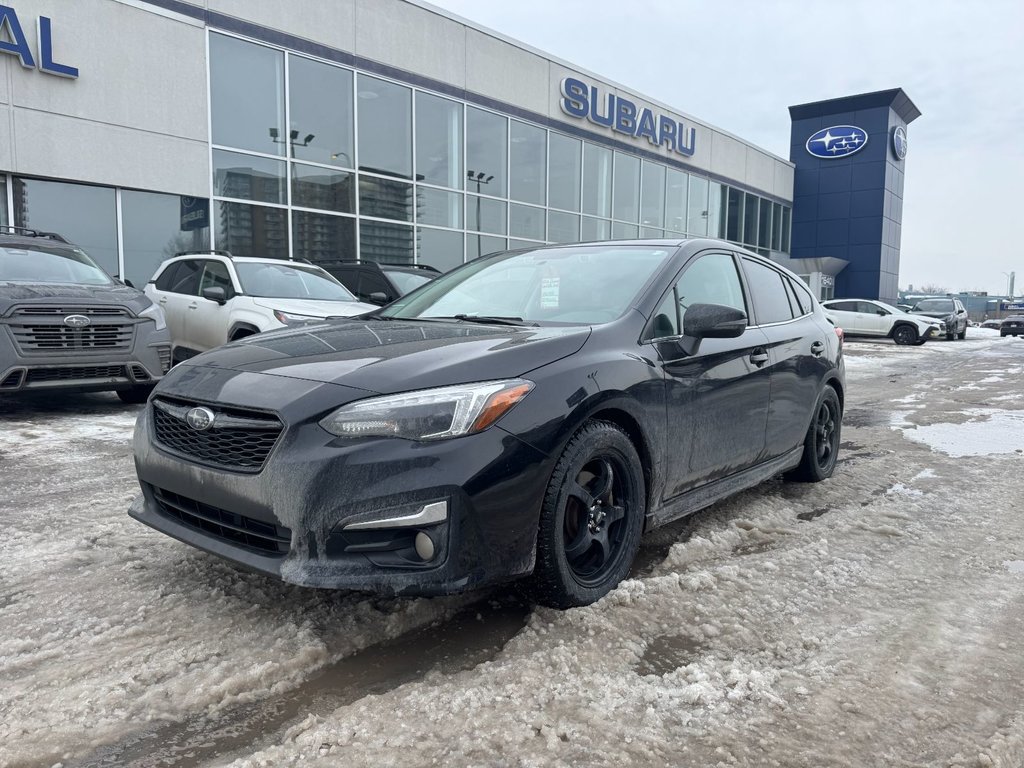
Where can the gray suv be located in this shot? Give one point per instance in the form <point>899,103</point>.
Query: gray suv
<point>67,324</point>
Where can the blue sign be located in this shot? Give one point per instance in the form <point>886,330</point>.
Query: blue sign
<point>195,213</point>
<point>837,141</point>
<point>623,116</point>
<point>899,142</point>
<point>10,29</point>
<point>1012,305</point>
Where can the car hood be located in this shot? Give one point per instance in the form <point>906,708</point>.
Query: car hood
<point>314,308</point>
<point>12,294</point>
<point>937,315</point>
<point>388,356</point>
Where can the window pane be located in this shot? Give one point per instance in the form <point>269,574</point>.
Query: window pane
<point>248,177</point>
<point>385,198</point>
<point>716,197</point>
<point>438,141</point>
<point>385,127</point>
<point>439,248</point>
<point>622,231</point>
<point>155,227</point>
<point>481,245</point>
<point>82,214</point>
<point>597,180</point>
<point>486,152</point>
<point>321,112</point>
<point>563,227</point>
<point>526,221</point>
<point>321,237</point>
<point>435,206</point>
<point>379,241</point>
<point>528,162</point>
<point>770,300</point>
<point>564,175</point>
<point>697,208</point>
<point>483,215</point>
<point>734,215</point>
<point>786,212</point>
<point>652,233</point>
<point>764,225</point>
<point>675,200</point>
<point>776,226</point>
<point>251,230</point>
<point>750,219</point>
<point>247,95</point>
<point>712,279</point>
<point>3,201</point>
<point>626,198</point>
<point>315,187</point>
<point>513,243</point>
<point>652,195</point>
<point>595,229</point>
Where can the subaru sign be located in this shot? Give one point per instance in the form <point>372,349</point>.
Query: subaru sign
<point>621,115</point>
<point>837,141</point>
<point>14,42</point>
<point>899,142</point>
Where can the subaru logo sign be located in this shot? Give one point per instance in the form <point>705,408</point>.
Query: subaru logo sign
<point>899,142</point>
<point>76,321</point>
<point>199,418</point>
<point>837,141</point>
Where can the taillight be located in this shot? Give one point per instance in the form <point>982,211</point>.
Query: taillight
<point>839,333</point>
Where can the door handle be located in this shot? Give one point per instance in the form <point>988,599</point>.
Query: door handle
<point>163,300</point>
<point>194,305</point>
<point>818,348</point>
<point>759,357</point>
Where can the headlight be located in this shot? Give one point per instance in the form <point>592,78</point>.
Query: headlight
<point>290,318</point>
<point>429,414</point>
<point>155,313</point>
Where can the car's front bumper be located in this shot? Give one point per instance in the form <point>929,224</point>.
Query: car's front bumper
<point>289,520</point>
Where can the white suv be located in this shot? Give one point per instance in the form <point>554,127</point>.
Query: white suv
<point>213,298</point>
<point>867,317</point>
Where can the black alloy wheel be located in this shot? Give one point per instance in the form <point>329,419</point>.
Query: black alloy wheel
<point>592,518</point>
<point>904,334</point>
<point>821,445</point>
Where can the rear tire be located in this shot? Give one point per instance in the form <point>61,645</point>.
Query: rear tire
<point>821,445</point>
<point>591,519</point>
<point>904,335</point>
<point>135,395</point>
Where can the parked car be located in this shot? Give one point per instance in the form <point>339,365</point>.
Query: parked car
<point>379,283</point>
<point>212,298</point>
<point>949,311</point>
<point>1012,326</point>
<point>67,324</point>
<point>868,317</point>
<point>994,324</point>
<point>527,413</point>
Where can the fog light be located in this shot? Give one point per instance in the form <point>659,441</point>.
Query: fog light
<point>424,546</point>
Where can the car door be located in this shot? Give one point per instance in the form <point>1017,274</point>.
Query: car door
<point>847,316</point>
<point>206,323</point>
<point>174,290</point>
<point>875,318</point>
<point>716,394</point>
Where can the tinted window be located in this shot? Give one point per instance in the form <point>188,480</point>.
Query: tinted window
<point>385,127</point>
<point>441,249</point>
<point>652,195</point>
<point>697,210</point>
<point>665,321</point>
<point>597,181</point>
<point>289,281</point>
<point>867,307</point>
<point>407,281</point>
<point>711,279</point>
<point>247,177</point>
<point>675,201</point>
<point>438,141</point>
<point>486,152</point>
<point>565,164</point>
<point>321,114</point>
<point>750,219</point>
<point>385,198</point>
<point>380,241</point>
<point>626,180</point>
<point>247,95</point>
<point>3,201</point>
<point>166,279</point>
<point>322,237</point>
<point>154,227</point>
<point>484,215</point>
<point>769,293</point>
<point>252,230</point>
<point>733,214</point>
<point>316,187</point>
<point>215,275</point>
<point>843,306</point>
<point>528,163</point>
<point>186,277</point>
<point>435,206</point>
<point>800,296</point>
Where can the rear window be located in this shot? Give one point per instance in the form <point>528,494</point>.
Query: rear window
<point>406,281</point>
<point>42,264</point>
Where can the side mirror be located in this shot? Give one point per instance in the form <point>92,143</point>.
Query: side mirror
<point>215,293</point>
<point>713,321</point>
<point>378,297</point>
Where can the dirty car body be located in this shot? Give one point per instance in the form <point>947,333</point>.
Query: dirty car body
<point>324,455</point>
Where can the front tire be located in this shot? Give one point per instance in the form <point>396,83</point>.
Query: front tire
<point>821,445</point>
<point>904,335</point>
<point>963,334</point>
<point>591,519</point>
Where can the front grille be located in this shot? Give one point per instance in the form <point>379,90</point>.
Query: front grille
<point>62,311</point>
<point>71,373</point>
<point>42,329</point>
<point>227,526</point>
<point>139,373</point>
<point>238,440</point>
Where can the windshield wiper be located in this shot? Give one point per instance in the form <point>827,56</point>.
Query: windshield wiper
<point>492,320</point>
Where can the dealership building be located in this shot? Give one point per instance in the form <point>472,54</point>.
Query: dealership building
<point>394,131</point>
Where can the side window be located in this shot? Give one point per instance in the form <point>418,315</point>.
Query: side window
<point>802,296</point>
<point>373,282</point>
<point>186,278</point>
<point>711,279</point>
<point>771,300</point>
<point>843,306</point>
<point>666,318</point>
<point>166,279</point>
<point>867,308</point>
<point>215,275</point>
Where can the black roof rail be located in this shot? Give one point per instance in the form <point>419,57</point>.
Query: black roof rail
<point>27,232</point>
<point>212,251</point>
<point>426,267</point>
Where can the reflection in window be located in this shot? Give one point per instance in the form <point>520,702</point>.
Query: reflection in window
<point>750,219</point>
<point>247,95</point>
<point>526,221</point>
<point>716,202</point>
<point>439,248</point>
<point>486,152</point>
<point>776,226</point>
<point>155,227</point>
<point>321,112</point>
<point>316,187</point>
<point>247,177</point>
<point>697,208</point>
<point>734,215</point>
<point>621,231</point>
<point>385,198</point>
<point>380,241</point>
<point>322,237</point>
<point>528,163</point>
<point>435,206</point>
<point>83,214</point>
<point>438,141</point>
<point>597,180</point>
<point>652,195</point>
<point>385,127</point>
<point>771,300</point>
<point>481,245</point>
<point>595,229</point>
<point>712,279</point>
<point>675,200</point>
<point>626,195</point>
<point>764,226</point>
<point>786,213</point>
<point>3,201</point>
<point>483,215</point>
<point>251,230</point>
<point>563,227</point>
<point>652,233</point>
<point>565,163</point>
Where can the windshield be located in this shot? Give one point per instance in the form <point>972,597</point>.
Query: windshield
<point>407,281</point>
<point>934,305</point>
<point>568,285</point>
<point>41,264</point>
<point>288,281</point>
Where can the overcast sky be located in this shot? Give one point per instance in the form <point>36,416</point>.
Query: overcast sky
<point>738,64</point>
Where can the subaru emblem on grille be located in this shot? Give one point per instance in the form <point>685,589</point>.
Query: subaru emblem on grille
<point>199,418</point>
<point>77,321</point>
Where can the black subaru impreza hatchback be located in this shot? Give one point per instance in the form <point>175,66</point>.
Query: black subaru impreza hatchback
<point>530,413</point>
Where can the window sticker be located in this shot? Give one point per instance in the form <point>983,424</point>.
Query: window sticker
<point>549,292</point>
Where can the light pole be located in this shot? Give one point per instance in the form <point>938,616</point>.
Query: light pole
<point>478,179</point>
